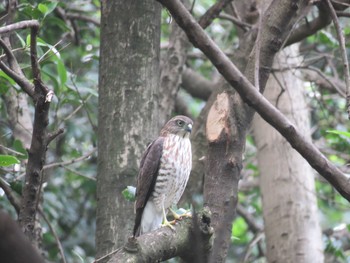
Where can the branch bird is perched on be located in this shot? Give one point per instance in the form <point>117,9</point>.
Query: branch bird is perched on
<point>164,171</point>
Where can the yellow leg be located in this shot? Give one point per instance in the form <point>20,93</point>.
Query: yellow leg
<point>166,222</point>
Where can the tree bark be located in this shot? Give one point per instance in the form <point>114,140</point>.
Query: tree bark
<point>128,88</point>
<point>292,228</point>
<point>190,240</point>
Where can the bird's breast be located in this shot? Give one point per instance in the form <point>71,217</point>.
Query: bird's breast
<point>174,171</point>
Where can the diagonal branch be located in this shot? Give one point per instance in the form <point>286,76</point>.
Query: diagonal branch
<point>11,195</point>
<point>256,100</point>
<point>212,13</point>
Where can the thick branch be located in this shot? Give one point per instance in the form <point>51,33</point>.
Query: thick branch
<point>37,152</point>
<point>196,85</point>
<point>190,240</point>
<point>256,100</point>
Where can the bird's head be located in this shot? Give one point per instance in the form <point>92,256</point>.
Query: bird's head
<point>179,125</point>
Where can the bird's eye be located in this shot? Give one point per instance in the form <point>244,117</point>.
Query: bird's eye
<point>180,123</point>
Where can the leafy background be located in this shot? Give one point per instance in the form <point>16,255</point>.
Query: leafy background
<point>69,52</point>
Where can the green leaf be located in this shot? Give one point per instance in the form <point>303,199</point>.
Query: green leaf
<point>7,160</point>
<point>129,193</point>
<point>18,147</point>
<point>346,134</point>
<point>43,8</point>
<point>47,7</point>
<point>62,72</point>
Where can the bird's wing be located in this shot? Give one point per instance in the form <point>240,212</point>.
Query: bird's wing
<point>147,176</point>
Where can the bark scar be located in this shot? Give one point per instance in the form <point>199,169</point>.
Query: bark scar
<point>217,117</point>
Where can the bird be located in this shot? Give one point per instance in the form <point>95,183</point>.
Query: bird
<point>163,175</point>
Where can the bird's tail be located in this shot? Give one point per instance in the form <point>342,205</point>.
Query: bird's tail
<point>147,219</point>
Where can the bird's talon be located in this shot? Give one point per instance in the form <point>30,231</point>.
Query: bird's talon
<point>170,224</point>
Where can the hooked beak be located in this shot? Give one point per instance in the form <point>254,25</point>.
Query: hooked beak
<point>189,128</point>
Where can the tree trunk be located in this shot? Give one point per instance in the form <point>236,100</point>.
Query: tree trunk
<point>128,86</point>
<point>287,184</point>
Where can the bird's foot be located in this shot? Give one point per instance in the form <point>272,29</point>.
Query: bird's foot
<point>185,214</point>
<point>170,224</point>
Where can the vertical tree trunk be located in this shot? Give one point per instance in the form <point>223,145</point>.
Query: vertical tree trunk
<point>292,228</point>
<point>128,86</point>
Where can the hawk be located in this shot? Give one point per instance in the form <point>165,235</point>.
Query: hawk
<point>164,171</point>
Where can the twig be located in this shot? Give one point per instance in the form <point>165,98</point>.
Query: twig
<point>252,243</point>
<point>212,13</point>
<point>10,150</point>
<point>236,21</point>
<point>84,104</point>
<point>326,78</point>
<point>81,158</point>
<point>107,255</point>
<point>10,194</point>
<point>58,242</point>
<point>78,173</point>
<point>52,136</point>
<point>85,18</point>
<point>343,53</point>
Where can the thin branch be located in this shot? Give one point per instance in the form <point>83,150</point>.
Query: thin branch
<point>256,50</point>
<point>79,159</point>
<point>52,136</point>
<point>58,242</point>
<point>85,18</point>
<point>343,13</point>
<point>78,173</point>
<point>235,21</point>
<point>256,100</point>
<point>327,82</point>
<point>83,101</point>
<point>248,218</point>
<point>212,13</point>
<point>310,28</point>
<point>257,238</point>
<point>10,150</point>
<point>21,81</point>
<point>19,25</point>
<point>343,53</point>
<point>11,195</point>
<point>10,56</point>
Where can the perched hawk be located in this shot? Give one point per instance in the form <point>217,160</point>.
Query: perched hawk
<point>164,171</point>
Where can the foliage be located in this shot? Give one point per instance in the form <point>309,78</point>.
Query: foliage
<point>68,55</point>
<point>69,52</point>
